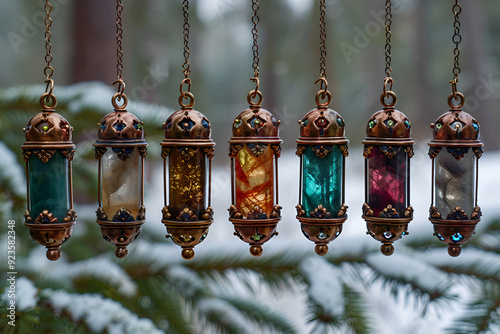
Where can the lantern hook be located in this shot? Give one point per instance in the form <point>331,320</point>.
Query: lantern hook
<point>253,94</point>
<point>186,94</point>
<point>388,93</point>
<point>323,93</point>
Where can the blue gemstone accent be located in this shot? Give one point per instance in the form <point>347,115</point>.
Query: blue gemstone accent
<point>138,126</point>
<point>128,150</point>
<point>205,124</point>
<point>440,237</point>
<point>340,122</point>
<point>476,127</point>
<point>186,124</point>
<point>457,237</point>
<point>388,235</point>
<point>337,233</point>
<point>119,126</point>
<point>407,124</point>
<point>322,236</point>
<point>305,122</point>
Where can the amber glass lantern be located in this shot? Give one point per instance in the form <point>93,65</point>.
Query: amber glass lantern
<point>187,151</point>
<point>322,148</point>
<point>387,151</point>
<point>48,152</point>
<point>455,151</point>
<point>254,151</point>
<point>121,150</point>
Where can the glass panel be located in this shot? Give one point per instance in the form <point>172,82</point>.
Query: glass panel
<point>121,182</point>
<point>49,185</point>
<point>188,181</point>
<point>322,180</point>
<point>387,180</point>
<point>454,182</point>
<point>254,179</point>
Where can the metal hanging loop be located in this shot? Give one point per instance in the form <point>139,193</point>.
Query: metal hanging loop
<point>119,96</point>
<point>186,94</point>
<point>388,94</point>
<point>323,93</point>
<point>255,93</point>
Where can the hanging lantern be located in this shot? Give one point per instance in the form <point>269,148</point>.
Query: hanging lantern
<point>387,151</point>
<point>187,151</point>
<point>48,152</point>
<point>322,148</point>
<point>254,151</point>
<point>455,151</point>
<point>121,150</point>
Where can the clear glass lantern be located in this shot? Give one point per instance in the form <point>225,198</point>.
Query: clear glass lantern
<point>121,150</point>
<point>455,151</point>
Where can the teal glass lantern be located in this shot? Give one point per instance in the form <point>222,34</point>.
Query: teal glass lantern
<point>48,152</point>
<point>121,149</point>
<point>322,148</point>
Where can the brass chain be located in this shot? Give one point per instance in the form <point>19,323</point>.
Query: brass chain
<point>322,36</point>
<point>186,26</point>
<point>457,39</point>
<point>388,35</point>
<point>119,38</point>
<point>48,71</point>
<point>255,46</point>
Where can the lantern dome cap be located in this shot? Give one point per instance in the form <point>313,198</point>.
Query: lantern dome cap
<point>49,127</point>
<point>120,125</point>
<point>187,123</point>
<point>322,122</point>
<point>455,125</point>
<point>255,122</point>
<point>389,123</point>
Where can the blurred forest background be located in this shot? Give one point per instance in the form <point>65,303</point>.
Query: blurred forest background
<point>289,289</point>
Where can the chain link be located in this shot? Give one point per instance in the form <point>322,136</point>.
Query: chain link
<point>48,70</point>
<point>388,35</point>
<point>456,39</point>
<point>322,36</point>
<point>185,67</point>
<point>255,46</point>
<point>119,38</point>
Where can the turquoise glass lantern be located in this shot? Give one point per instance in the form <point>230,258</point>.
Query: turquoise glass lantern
<point>322,148</point>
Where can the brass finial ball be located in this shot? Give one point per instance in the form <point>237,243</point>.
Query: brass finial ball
<point>121,252</point>
<point>53,254</point>
<point>187,253</point>
<point>454,250</point>
<point>256,251</point>
<point>387,249</point>
<point>321,249</point>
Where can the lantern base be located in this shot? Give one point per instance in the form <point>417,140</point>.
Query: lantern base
<point>120,234</point>
<point>187,234</point>
<point>255,232</point>
<point>52,236</point>
<point>454,233</point>
<point>387,231</point>
<point>321,231</point>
